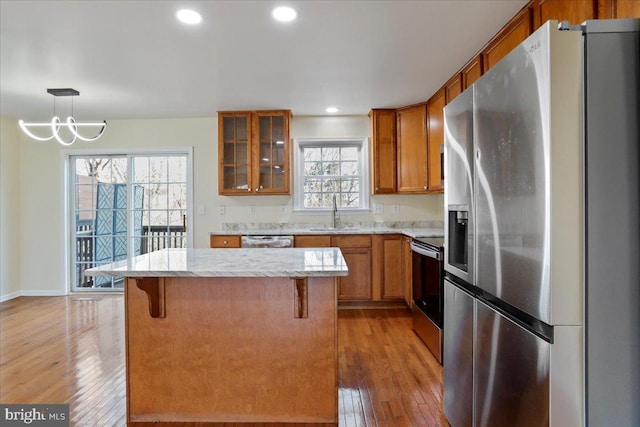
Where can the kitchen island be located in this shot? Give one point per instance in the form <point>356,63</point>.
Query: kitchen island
<point>231,335</point>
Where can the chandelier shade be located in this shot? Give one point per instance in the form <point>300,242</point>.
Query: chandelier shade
<point>55,125</point>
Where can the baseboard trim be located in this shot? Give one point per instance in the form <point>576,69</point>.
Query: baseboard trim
<point>349,305</point>
<point>7,297</point>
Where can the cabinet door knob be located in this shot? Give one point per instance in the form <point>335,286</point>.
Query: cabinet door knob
<point>224,242</point>
<point>248,188</point>
<point>377,188</point>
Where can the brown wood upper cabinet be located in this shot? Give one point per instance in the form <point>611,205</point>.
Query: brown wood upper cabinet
<point>384,148</point>
<point>514,33</point>
<point>472,71</point>
<point>253,152</point>
<point>435,115</point>
<point>574,11</point>
<point>411,124</point>
<point>609,9</point>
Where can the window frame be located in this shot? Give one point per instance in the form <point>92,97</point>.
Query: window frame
<point>67,156</point>
<point>362,145</point>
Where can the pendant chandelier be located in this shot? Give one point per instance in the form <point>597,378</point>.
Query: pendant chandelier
<point>56,125</point>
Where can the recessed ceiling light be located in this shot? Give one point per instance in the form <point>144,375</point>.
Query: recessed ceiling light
<point>284,14</point>
<point>331,110</point>
<point>189,16</point>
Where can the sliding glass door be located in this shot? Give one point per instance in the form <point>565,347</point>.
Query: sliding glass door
<point>125,205</point>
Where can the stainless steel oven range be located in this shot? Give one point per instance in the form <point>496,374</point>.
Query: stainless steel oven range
<point>428,295</point>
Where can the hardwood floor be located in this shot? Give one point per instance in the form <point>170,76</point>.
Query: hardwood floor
<point>71,350</point>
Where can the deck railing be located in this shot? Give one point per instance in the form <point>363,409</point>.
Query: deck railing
<point>154,237</point>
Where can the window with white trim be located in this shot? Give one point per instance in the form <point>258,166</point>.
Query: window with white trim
<point>325,168</point>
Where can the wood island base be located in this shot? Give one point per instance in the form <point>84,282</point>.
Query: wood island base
<point>231,350</point>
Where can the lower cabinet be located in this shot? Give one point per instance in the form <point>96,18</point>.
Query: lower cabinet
<point>377,265</point>
<point>388,283</point>
<point>407,276</point>
<point>224,241</point>
<point>356,250</point>
<point>357,285</point>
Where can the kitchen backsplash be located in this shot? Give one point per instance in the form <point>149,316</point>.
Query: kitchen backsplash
<point>234,226</point>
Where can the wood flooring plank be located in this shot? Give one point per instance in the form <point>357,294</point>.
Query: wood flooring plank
<point>71,350</point>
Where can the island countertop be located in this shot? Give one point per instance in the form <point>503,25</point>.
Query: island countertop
<point>247,262</point>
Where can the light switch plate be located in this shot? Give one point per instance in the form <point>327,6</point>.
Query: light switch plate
<point>378,208</point>
<point>201,210</point>
<point>396,208</point>
<point>221,210</point>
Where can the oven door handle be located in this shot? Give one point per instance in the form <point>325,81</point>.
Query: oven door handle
<point>426,252</point>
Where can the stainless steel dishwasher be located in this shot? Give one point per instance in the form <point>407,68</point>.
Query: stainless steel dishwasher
<point>267,241</point>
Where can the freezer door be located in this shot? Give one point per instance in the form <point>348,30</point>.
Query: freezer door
<point>458,146</point>
<point>511,373</point>
<point>458,356</point>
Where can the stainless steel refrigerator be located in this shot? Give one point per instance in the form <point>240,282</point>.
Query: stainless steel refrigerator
<point>542,261</point>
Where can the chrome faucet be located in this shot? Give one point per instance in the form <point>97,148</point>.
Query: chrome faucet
<point>334,212</point>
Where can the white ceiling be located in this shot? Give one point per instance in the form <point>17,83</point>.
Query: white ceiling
<point>133,59</point>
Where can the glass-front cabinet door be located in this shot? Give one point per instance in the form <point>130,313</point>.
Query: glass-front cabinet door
<point>234,139</point>
<point>271,130</point>
<point>253,152</point>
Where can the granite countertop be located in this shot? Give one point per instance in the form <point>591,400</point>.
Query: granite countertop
<point>411,232</point>
<point>254,262</point>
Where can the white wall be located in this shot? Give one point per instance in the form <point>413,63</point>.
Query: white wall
<point>9,210</point>
<point>41,206</point>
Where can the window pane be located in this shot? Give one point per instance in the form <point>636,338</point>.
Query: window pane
<point>330,153</point>
<point>312,185</point>
<point>312,168</point>
<point>350,185</point>
<point>177,196</point>
<point>158,196</point>
<point>141,169</point>
<point>349,153</point>
<point>178,169</point>
<point>175,218</point>
<point>312,200</point>
<point>158,169</point>
<point>312,154</point>
<point>349,168</point>
<point>331,185</point>
<point>327,200</point>
<point>350,200</point>
<point>119,170</point>
<point>331,168</point>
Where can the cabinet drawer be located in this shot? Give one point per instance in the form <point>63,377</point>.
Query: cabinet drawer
<point>312,241</point>
<point>224,241</point>
<point>352,241</point>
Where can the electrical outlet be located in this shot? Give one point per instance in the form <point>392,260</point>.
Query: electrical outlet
<point>201,210</point>
<point>222,210</point>
<point>377,208</point>
<point>396,208</point>
<point>283,209</point>
<point>252,208</point>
